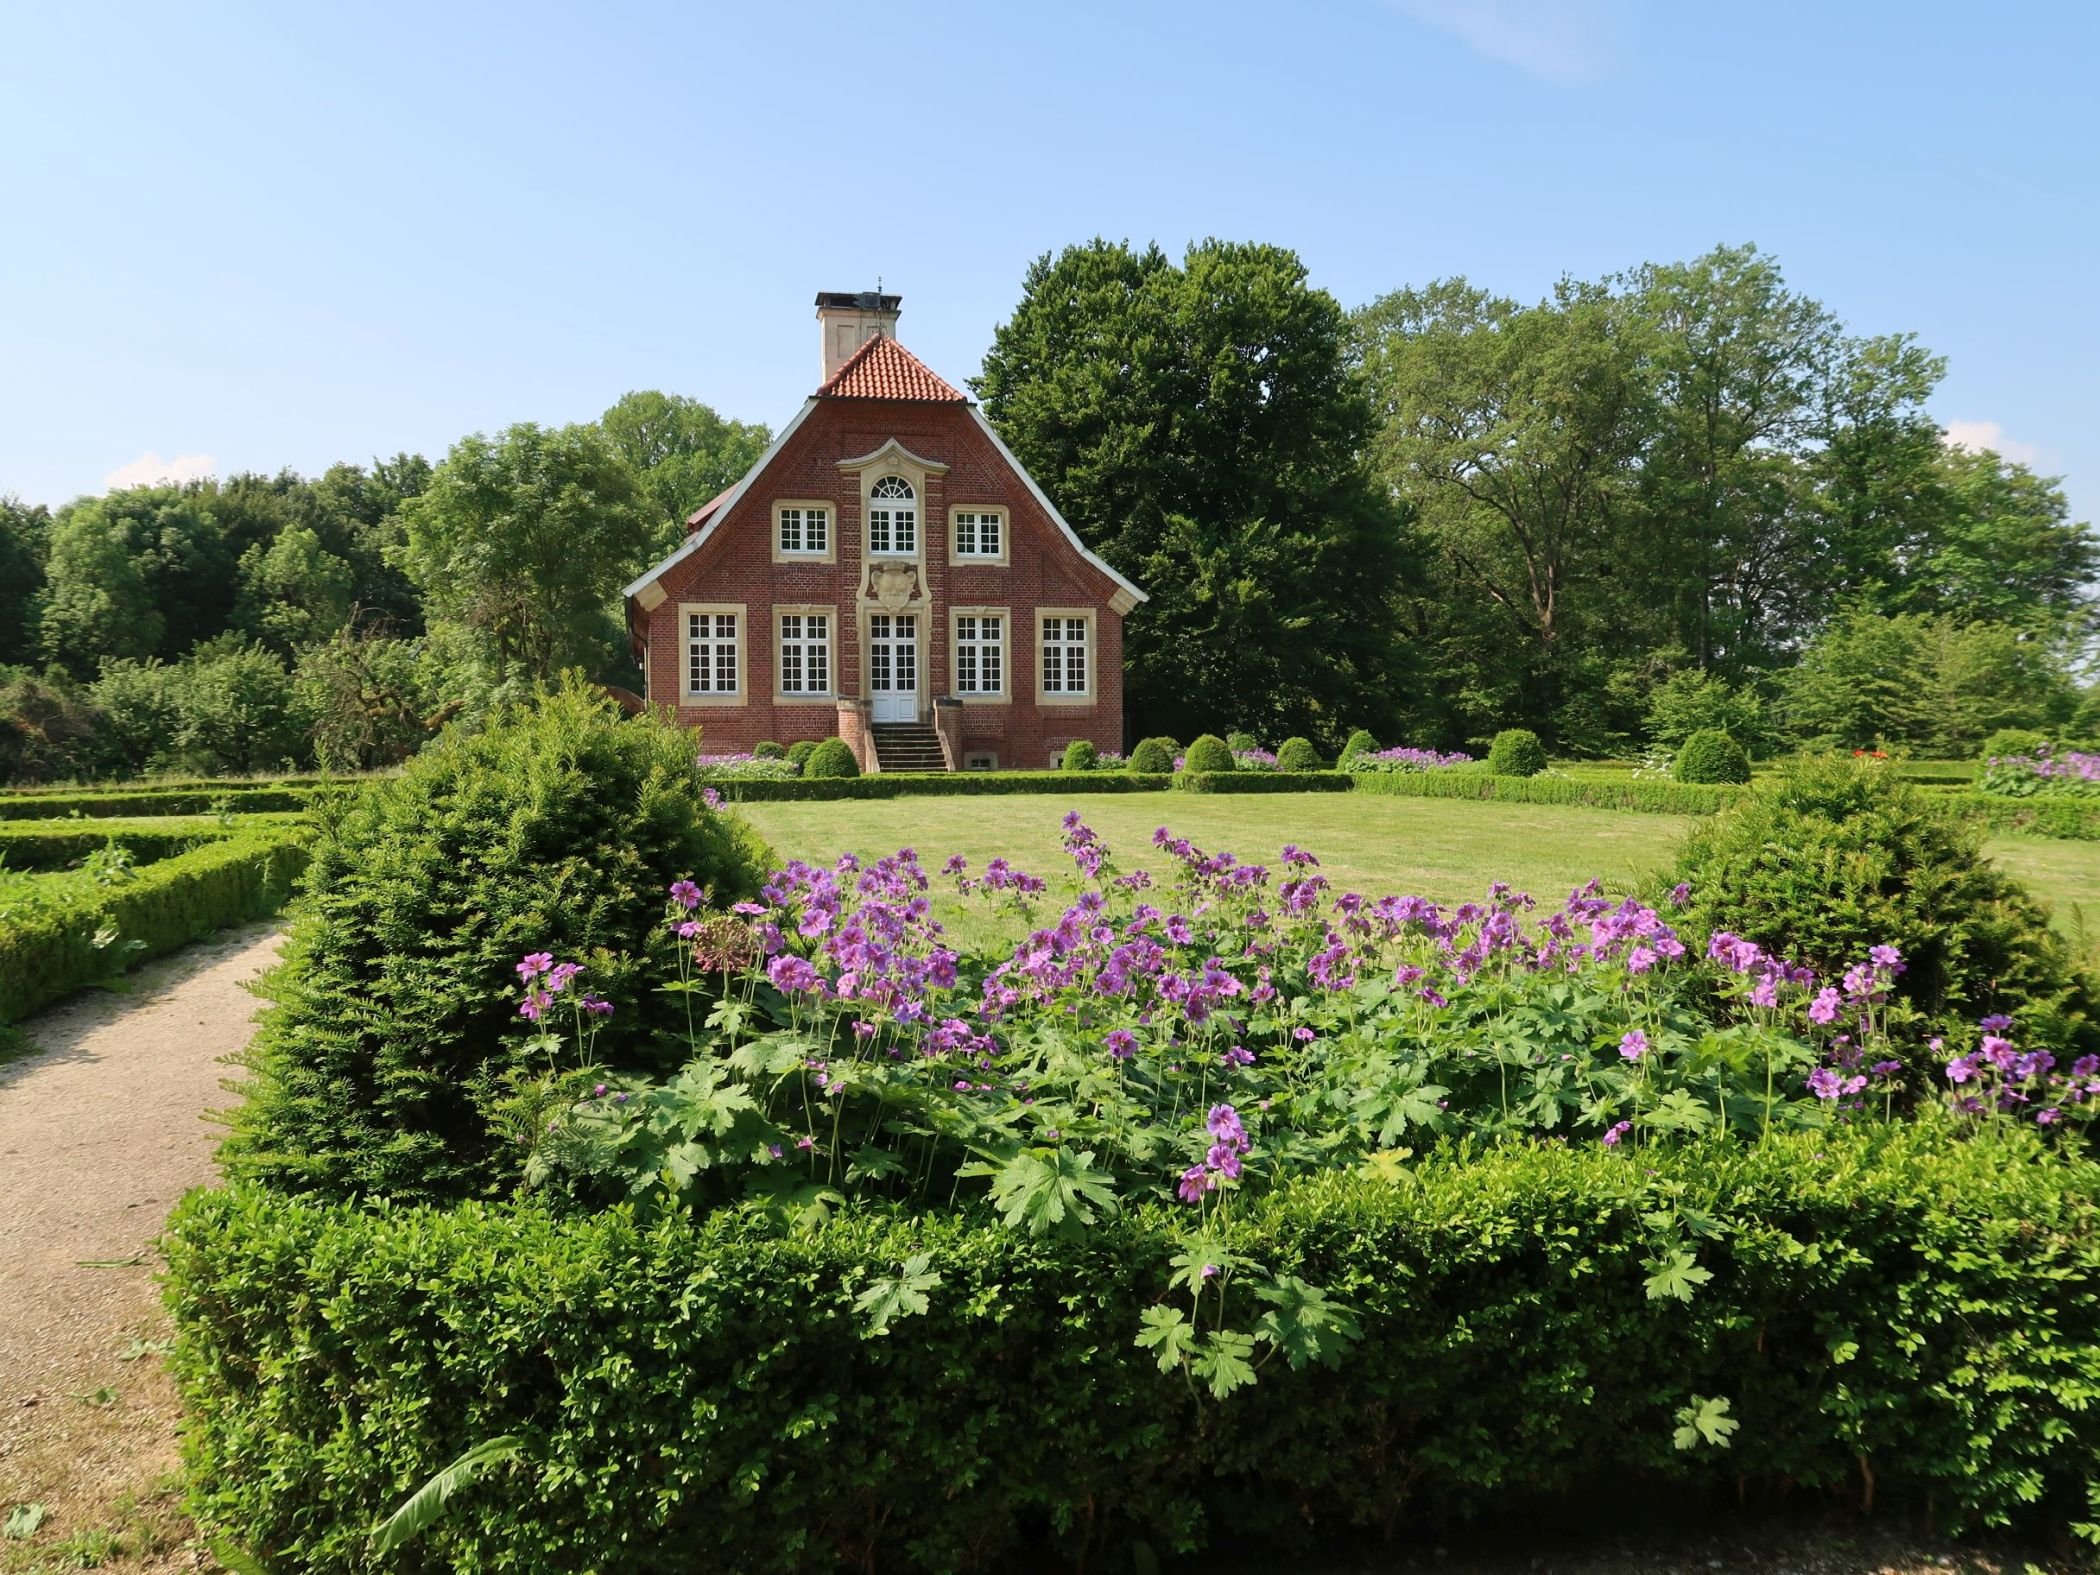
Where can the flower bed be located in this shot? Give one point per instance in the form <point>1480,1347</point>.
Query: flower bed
<point>2045,772</point>
<point>1408,760</point>
<point>745,767</point>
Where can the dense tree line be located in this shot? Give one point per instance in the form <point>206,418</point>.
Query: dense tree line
<point>1449,512</point>
<point>265,621</point>
<point>1679,497</point>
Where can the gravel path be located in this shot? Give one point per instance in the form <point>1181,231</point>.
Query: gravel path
<point>102,1128</point>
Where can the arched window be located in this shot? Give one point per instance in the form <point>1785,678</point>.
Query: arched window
<point>893,519</point>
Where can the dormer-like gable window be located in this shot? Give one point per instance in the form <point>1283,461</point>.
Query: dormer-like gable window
<point>893,519</point>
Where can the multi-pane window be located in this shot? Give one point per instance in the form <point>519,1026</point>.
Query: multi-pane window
<point>710,653</point>
<point>980,654</point>
<point>805,653</point>
<point>893,519</point>
<point>1064,656</point>
<point>977,534</point>
<point>805,529</point>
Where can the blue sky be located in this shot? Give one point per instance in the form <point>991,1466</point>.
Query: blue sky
<point>243,237</point>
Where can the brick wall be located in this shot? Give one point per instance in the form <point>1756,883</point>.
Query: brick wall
<point>1043,570</point>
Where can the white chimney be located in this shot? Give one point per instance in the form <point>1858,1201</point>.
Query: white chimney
<point>849,319</point>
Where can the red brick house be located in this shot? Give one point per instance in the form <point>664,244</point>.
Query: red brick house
<point>889,573</point>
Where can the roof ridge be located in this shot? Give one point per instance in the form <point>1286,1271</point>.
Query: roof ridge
<point>906,377</point>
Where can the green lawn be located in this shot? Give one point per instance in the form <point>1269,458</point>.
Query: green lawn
<point>1444,849</point>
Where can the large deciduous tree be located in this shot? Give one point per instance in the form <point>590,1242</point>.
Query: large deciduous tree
<point>523,540</point>
<point>25,545</point>
<point>1200,426</point>
<point>682,453</point>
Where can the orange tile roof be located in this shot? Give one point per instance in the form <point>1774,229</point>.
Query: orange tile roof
<point>698,517</point>
<point>884,369</point>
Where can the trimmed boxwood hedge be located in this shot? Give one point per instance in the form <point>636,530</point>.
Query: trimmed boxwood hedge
<point>936,784</point>
<point>1655,798</point>
<point>187,801</point>
<point>56,844</point>
<point>704,1395</point>
<point>48,954</point>
<point>2069,819</point>
<point>1262,782</point>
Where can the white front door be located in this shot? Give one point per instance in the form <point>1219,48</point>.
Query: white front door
<point>893,666</point>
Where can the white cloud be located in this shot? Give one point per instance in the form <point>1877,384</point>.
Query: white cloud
<point>149,469</point>
<point>1560,40</point>
<point>1979,435</point>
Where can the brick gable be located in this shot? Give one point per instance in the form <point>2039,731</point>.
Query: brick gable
<point>942,447</point>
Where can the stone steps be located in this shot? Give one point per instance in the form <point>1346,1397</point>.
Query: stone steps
<point>908,746</point>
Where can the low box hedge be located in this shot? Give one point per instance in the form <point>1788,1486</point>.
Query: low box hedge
<point>937,784</point>
<point>56,844</point>
<point>1655,798</point>
<point>185,801</point>
<point>1889,1309</point>
<point>2067,818</point>
<point>174,785</point>
<point>48,953</point>
<point>1261,782</point>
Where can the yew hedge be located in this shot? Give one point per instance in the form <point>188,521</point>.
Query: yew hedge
<point>1658,798</point>
<point>1889,1311</point>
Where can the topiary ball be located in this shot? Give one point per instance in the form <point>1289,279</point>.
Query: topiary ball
<point>831,758</point>
<point>768,750</point>
<point>1711,755</point>
<point>1516,752</point>
<point>1153,756</point>
<point>1081,755</point>
<point>383,1065</point>
<point>1298,754</point>
<point>1240,743</point>
<point>1835,856</point>
<point>798,753</point>
<point>1209,753</point>
<point>1360,743</point>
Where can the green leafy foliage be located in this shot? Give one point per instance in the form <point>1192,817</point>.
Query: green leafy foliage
<point>1298,754</point>
<point>1930,1303</point>
<point>1704,1421</point>
<point>1838,855</point>
<point>1712,757</point>
<point>1360,742</point>
<point>1210,755</point>
<point>1080,755</point>
<point>389,1044</point>
<point>830,759</point>
<point>1153,756</point>
<point>1240,742</point>
<point>798,753</point>
<point>1516,753</point>
<point>768,750</point>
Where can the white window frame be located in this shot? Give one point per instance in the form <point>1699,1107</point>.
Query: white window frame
<point>918,517</point>
<point>738,641</point>
<point>828,553</point>
<point>956,617</point>
<point>783,695</point>
<point>980,760</point>
<point>1046,695</point>
<point>977,513</point>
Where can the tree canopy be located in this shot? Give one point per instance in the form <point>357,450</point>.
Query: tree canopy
<point>1200,426</point>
